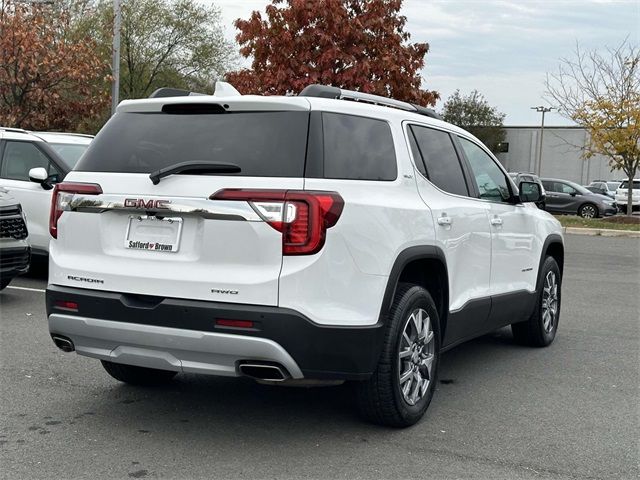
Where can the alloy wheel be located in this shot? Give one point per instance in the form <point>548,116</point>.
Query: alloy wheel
<point>416,356</point>
<point>588,211</point>
<point>550,302</point>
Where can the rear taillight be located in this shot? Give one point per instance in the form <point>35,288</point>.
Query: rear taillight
<point>63,193</point>
<point>302,216</point>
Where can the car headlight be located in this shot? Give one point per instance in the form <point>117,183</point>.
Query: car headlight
<point>608,202</point>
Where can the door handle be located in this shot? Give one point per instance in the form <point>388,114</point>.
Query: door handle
<point>444,220</point>
<point>496,221</point>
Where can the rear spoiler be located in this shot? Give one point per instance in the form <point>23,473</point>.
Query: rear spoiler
<point>222,89</point>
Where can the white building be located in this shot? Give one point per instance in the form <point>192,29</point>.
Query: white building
<point>561,154</point>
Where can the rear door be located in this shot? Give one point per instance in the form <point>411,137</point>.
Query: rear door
<point>171,239</point>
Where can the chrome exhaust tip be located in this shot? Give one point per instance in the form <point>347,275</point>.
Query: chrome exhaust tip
<point>63,343</point>
<point>261,371</point>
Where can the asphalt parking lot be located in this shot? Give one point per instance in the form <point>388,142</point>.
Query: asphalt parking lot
<point>501,410</point>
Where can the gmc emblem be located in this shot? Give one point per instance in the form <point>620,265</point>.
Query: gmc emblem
<point>148,205</point>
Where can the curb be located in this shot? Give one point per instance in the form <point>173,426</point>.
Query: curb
<point>602,232</point>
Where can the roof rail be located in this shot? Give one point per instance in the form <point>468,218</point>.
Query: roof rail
<point>326,91</point>
<point>70,134</point>
<point>15,130</point>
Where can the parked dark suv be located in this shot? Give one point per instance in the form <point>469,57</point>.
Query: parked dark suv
<point>564,196</point>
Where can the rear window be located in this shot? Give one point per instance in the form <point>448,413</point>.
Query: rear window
<point>262,144</point>
<point>358,148</point>
<point>625,184</point>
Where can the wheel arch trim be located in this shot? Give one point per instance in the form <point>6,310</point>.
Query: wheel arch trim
<point>552,241</point>
<point>404,258</point>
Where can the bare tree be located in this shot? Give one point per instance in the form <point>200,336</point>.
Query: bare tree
<point>600,91</point>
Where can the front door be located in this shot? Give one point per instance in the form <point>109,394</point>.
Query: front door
<point>561,197</point>
<point>515,249</point>
<point>461,229</point>
<point>18,158</point>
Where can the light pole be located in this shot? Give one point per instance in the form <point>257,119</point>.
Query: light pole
<point>115,66</point>
<point>541,109</point>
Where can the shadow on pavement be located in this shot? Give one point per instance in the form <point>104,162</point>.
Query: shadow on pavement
<point>200,406</point>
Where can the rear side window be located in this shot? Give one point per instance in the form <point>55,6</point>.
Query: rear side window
<point>358,148</point>
<point>440,159</point>
<point>548,186</point>
<point>262,144</point>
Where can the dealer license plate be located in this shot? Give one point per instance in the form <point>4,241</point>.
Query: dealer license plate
<point>155,234</point>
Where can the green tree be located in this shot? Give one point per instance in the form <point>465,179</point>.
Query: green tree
<point>600,91</point>
<point>473,113</point>
<point>178,43</point>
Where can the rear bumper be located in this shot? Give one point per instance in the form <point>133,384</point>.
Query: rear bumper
<point>181,335</point>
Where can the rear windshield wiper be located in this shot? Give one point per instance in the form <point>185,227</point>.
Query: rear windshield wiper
<point>193,168</point>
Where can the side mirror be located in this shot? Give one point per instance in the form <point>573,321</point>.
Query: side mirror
<point>530,192</point>
<point>40,175</point>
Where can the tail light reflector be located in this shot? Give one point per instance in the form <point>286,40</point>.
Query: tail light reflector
<point>225,322</point>
<point>66,305</point>
<point>63,193</point>
<point>302,216</point>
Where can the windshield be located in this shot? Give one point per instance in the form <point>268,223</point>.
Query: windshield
<point>613,185</point>
<point>269,143</point>
<point>636,184</point>
<point>69,152</point>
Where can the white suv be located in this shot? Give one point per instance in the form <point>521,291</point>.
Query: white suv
<point>296,239</point>
<point>622,195</point>
<point>30,164</point>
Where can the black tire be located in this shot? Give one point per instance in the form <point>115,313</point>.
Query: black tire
<point>585,211</point>
<point>380,398</point>
<point>533,332</point>
<point>4,283</point>
<point>137,375</point>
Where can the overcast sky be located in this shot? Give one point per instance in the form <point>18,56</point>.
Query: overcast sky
<point>502,48</point>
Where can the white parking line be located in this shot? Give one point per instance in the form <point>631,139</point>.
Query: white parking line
<point>28,289</point>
